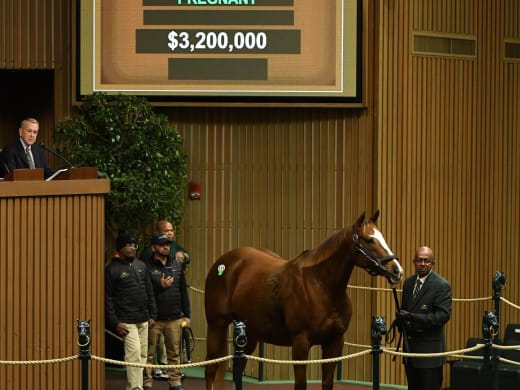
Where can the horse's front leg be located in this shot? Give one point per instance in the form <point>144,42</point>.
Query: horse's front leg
<point>300,351</point>
<point>330,350</point>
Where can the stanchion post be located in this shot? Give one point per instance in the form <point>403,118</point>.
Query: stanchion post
<point>84,350</point>
<point>377,330</point>
<point>499,281</point>
<point>239,357</point>
<point>261,364</point>
<point>489,329</point>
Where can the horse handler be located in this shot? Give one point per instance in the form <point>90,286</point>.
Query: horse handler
<point>173,308</point>
<point>425,310</point>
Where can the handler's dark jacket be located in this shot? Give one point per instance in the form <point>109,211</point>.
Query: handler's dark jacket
<point>147,252</point>
<point>172,302</point>
<point>128,292</point>
<point>429,311</point>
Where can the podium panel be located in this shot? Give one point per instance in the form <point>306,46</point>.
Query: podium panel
<point>51,275</point>
<point>24,175</point>
<point>80,173</point>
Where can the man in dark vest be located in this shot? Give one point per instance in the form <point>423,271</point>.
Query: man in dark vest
<point>173,307</point>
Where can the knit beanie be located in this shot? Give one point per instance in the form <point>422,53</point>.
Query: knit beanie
<point>124,238</point>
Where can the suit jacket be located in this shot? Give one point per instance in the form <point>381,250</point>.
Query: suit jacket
<point>3,165</point>
<point>14,157</point>
<point>429,313</point>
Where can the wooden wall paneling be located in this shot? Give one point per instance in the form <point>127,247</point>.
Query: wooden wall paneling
<point>28,31</point>
<point>306,134</point>
<point>511,178</point>
<point>61,57</point>
<point>452,133</point>
<point>445,171</point>
<point>278,147</point>
<point>41,323</point>
<point>23,21</point>
<point>4,31</point>
<point>338,168</point>
<point>193,234</point>
<point>13,46</point>
<point>298,183</point>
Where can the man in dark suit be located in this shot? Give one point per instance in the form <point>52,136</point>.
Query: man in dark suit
<point>425,309</point>
<point>24,153</point>
<point>3,165</point>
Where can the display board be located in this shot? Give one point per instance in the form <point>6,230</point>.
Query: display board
<point>299,49</point>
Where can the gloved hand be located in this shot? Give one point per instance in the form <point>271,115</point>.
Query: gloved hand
<point>403,316</point>
<point>404,320</point>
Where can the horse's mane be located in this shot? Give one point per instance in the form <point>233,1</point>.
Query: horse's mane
<point>312,257</point>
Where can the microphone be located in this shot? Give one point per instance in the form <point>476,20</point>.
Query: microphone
<point>56,154</point>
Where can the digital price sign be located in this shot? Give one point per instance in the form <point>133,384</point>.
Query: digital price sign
<point>296,49</point>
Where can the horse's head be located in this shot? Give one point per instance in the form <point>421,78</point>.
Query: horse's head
<point>376,257</point>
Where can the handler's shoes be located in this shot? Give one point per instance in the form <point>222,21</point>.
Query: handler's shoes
<point>160,374</point>
<point>176,387</point>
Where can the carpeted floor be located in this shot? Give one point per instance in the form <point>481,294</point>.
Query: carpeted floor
<point>115,379</point>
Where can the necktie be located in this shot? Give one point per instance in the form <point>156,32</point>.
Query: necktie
<point>417,288</point>
<point>29,157</point>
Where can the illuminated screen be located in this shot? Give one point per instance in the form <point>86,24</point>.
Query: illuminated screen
<point>297,49</point>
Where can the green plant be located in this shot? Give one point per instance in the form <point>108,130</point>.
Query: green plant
<point>137,150</point>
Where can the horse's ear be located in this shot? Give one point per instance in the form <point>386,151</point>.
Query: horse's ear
<point>375,216</point>
<point>361,220</point>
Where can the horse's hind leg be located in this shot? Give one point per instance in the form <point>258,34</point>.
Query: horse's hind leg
<point>216,347</point>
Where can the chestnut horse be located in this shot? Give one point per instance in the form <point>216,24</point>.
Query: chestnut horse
<point>297,303</point>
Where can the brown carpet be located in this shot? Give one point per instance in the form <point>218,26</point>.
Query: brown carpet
<point>115,379</point>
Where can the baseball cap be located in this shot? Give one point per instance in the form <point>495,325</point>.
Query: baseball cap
<point>160,239</point>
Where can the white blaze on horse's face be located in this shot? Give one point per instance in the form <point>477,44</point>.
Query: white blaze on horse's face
<point>379,237</point>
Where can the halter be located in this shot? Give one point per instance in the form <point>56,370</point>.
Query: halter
<point>375,262</point>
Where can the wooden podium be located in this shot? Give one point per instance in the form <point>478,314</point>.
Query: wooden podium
<point>78,174</point>
<point>51,274</point>
<point>24,175</point>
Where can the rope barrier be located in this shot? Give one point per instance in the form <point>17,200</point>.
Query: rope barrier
<point>114,335</point>
<point>320,361</point>
<point>471,299</point>
<point>470,357</point>
<point>373,288</point>
<point>197,290</point>
<point>33,362</point>
<point>437,354</point>
<point>461,353</point>
<point>164,366</point>
<point>508,361</point>
<point>356,345</point>
<point>399,290</point>
<point>456,353</point>
<point>510,303</point>
<point>506,347</point>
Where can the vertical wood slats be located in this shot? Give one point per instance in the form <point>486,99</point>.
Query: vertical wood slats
<point>456,161</point>
<point>278,180</point>
<point>28,33</point>
<point>45,286</point>
<point>446,168</point>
